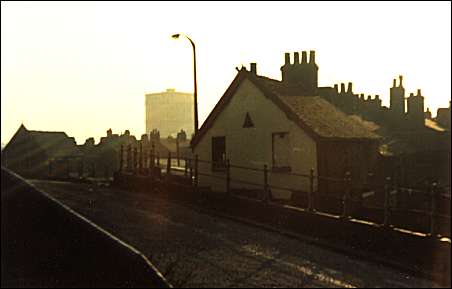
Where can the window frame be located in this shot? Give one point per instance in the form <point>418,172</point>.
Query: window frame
<point>274,167</point>
<point>218,166</point>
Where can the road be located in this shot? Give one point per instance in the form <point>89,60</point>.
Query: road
<point>193,249</point>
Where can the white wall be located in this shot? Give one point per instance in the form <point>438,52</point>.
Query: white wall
<point>252,147</point>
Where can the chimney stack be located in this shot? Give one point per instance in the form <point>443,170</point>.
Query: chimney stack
<point>287,58</point>
<point>253,68</point>
<point>312,56</point>
<point>296,57</point>
<point>400,81</point>
<point>336,88</point>
<point>349,88</point>
<point>419,92</point>
<point>342,87</point>
<point>394,82</point>
<point>304,57</point>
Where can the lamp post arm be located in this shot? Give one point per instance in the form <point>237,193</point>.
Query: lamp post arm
<point>195,85</point>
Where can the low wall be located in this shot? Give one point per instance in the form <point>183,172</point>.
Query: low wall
<point>45,244</point>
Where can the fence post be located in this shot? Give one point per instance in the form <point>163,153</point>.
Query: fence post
<point>129,157</point>
<point>265,184</point>
<point>177,151</point>
<point>168,165</point>
<point>135,160</point>
<point>140,164</point>
<point>80,172</point>
<point>191,170</point>
<point>121,158</point>
<point>387,211</point>
<point>196,171</point>
<point>346,197</point>
<point>228,178</point>
<point>433,210</point>
<point>152,164</point>
<point>311,191</point>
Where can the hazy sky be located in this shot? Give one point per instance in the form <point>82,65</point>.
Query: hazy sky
<point>84,67</point>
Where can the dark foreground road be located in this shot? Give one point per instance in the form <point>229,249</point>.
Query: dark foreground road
<point>197,250</point>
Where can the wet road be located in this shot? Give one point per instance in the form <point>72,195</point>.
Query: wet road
<point>198,250</point>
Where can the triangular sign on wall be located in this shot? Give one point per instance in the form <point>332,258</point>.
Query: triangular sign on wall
<point>248,122</point>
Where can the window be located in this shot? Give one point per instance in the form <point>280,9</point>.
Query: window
<point>281,151</point>
<point>248,122</point>
<point>218,153</point>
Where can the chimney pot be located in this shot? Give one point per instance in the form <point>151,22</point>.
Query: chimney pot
<point>304,57</point>
<point>296,57</point>
<point>286,58</point>
<point>336,88</point>
<point>253,68</point>
<point>342,87</point>
<point>419,92</point>
<point>400,80</point>
<point>312,56</point>
<point>349,88</point>
<point>394,82</point>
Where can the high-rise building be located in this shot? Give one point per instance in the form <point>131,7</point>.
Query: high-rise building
<point>169,112</point>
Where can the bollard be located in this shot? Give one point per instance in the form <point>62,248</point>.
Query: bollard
<point>228,178</point>
<point>433,209</point>
<point>346,197</point>
<point>265,199</point>
<point>311,191</point>
<point>121,156</point>
<point>387,210</point>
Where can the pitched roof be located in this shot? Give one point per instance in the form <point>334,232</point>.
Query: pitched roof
<point>56,144</point>
<point>326,120</point>
<point>313,114</point>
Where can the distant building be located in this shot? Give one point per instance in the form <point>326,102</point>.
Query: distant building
<point>169,112</point>
<point>443,116</point>
<point>40,153</point>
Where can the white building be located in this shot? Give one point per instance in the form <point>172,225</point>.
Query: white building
<point>255,124</point>
<point>169,112</point>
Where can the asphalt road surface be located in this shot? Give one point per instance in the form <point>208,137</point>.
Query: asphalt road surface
<point>193,249</point>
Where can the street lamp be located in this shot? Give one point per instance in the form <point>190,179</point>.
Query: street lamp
<point>176,36</point>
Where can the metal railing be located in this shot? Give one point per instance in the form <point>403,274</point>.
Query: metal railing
<point>348,200</point>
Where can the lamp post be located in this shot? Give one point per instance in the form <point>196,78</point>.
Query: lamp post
<point>176,36</point>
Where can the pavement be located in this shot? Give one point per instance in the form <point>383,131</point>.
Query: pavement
<point>193,249</point>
